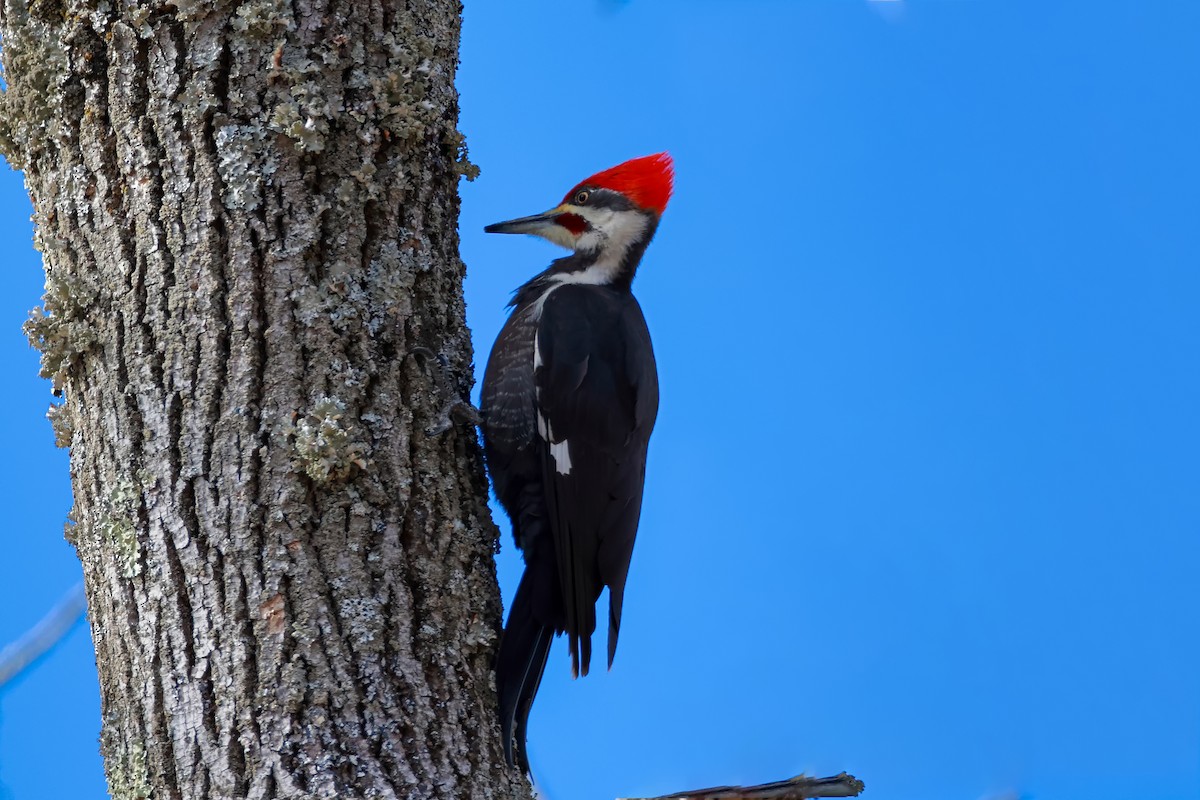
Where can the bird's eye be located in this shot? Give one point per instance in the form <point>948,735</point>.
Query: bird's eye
<point>581,198</point>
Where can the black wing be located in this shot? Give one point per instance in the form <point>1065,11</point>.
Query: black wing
<point>510,425</point>
<point>596,398</point>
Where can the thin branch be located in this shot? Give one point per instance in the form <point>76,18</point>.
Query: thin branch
<point>42,636</point>
<point>800,787</point>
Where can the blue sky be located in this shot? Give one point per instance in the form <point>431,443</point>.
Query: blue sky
<point>923,498</point>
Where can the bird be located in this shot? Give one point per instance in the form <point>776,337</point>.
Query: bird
<point>569,400</point>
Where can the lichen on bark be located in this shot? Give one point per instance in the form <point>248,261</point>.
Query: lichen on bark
<point>247,213</point>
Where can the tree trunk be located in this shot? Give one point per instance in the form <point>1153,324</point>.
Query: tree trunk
<point>248,214</point>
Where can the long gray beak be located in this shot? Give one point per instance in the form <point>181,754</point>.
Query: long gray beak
<point>535,224</point>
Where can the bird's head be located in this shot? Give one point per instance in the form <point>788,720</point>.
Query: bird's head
<point>609,212</point>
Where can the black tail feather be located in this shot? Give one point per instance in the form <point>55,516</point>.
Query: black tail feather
<point>519,666</point>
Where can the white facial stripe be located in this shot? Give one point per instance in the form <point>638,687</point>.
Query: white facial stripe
<point>617,229</point>
<point>612,233</point>
<point>610,230</point>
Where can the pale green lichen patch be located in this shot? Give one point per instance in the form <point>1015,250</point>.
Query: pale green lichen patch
<point>61,423</point>
<point>34,55</point>
<point>138,18</point>
<point>61,344</point>
<point>125,765</point>
<point>392,276</point>
<point>261,19</point>
<point>328,446</point>
<point>307,130</point>
<point>61,328</point>
<point>403,110</point>
<point>456,142</point>
<point>192,10</point>
<point>71,528</point>
<point>243,165</point>
<point>116,524</point>
<point>306,112</point>
<point>341,299</point>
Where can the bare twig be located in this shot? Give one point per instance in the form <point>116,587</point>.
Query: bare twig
<point>42,636</point>
<point>800,787</point>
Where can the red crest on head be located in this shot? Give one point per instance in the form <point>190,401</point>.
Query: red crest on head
<point>647,181</point>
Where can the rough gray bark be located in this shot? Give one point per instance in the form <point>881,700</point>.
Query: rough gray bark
<point>248,215</point>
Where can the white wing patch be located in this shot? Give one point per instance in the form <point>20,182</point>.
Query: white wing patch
<point>559,451</point>
<point>562,457</point>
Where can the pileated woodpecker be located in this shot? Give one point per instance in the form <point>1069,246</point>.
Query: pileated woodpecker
<point>570,395</point>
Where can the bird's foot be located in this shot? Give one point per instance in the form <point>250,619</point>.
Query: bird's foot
<point>458,410</point>
<point>455,409</point>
